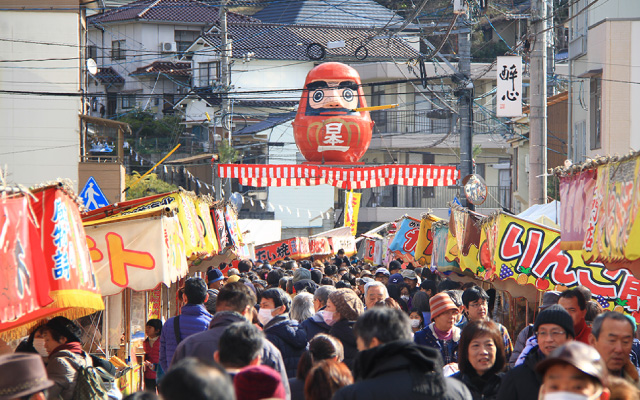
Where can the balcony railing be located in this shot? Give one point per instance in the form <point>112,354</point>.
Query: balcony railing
<point>403,121</point>
<point>426,197</point>
<point>409,122</point>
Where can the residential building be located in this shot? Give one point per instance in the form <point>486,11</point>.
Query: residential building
<point>41,86</point>
<point>138,48</point>
<point>604,63</point>
<point>557,112</point>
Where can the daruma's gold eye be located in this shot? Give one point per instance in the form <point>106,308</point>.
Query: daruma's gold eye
<point>318,95</point>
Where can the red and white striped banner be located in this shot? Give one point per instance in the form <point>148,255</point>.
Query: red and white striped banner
<point>343,178</point>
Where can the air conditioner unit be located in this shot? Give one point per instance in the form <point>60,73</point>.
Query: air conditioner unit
<point>168,47</point>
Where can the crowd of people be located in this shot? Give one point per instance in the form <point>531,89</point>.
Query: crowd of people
<point>343,329</point>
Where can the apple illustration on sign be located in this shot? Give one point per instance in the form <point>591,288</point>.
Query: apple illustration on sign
<point>327,128</point>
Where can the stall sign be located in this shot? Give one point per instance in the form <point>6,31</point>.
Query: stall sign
<point>231,219</point>
<point>64,244</point>
<point>424,247</point>
<point>463,242</point>
<point>439,259</point>
<point>531,254</point>
<point>204,215</point>
<point>137,254</point>
<point>319,246</point>
<point>347,243</point>
<point>613,228</point>
<point>21,261</point>
<point>576,195</point>
<point>224,240</point>
<point>352,208</point>
<point>295,248</point>
<point>406,237</point>
<point>373,251</point>
<point>155,301</point>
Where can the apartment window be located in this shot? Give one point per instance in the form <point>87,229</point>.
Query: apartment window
<point>184,39</point>
<point>92,52</point>
<point>128,100</point>
<point>118,49</point>
<point>595,111</point>
<point>209,73</point>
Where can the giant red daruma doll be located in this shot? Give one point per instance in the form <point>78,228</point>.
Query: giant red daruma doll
<point>326,128</point>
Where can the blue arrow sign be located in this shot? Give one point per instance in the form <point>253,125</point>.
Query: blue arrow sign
<point>92,195</point>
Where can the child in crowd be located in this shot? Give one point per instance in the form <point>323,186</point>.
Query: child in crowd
<point>151,347</point>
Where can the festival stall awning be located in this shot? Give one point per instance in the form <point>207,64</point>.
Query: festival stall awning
<point>600,203</point>
<point>138,254</point>
<point>511,248</point>
<point>44,260</point>
<point>343,178</point>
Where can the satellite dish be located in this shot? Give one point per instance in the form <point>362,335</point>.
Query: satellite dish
<point>92,67</point>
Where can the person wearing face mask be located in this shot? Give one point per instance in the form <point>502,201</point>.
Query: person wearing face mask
<point>481,359</point>
<point>574,371</point>
<point>343,309</point>
<point>553,328</point>
<point>285,333</point>
<point>235,304</point>
<point>476,306</point>
<point>442,334</point>
<point>34,343</point>
<point>417,320</point>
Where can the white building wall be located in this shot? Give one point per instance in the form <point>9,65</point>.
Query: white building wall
<point>40,134</point>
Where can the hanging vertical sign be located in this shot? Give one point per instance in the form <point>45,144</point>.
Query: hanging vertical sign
<point>509,87</point>
<point>352,207</point>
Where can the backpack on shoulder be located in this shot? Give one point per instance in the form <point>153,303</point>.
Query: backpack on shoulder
<point>89,384</point>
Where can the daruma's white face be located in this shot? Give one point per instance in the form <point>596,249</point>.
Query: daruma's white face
<point>328,96</point>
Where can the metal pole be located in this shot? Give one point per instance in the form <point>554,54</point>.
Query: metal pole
<point>225,78</point>
<point>465,103</point>
<point>538,117</point>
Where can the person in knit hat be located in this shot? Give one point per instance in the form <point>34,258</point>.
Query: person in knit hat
<point>258,382</point>
<point>553,328</point>
<point>343,309</point>
<point>300,274</point>
<point>442,333</point>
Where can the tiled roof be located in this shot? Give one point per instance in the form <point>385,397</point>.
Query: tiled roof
<point>364,13</point>
<point>189,11</point>
<point>165,67</point>
<point>214,99</point>
<point>271,121</point>
<point>280,42</point>
<point>108,75</point>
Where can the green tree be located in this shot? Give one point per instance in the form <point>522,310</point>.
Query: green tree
<point>148,186</point>
<point>226,153</point>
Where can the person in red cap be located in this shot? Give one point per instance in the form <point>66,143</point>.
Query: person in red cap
<point>442,333</point>
<point>258,382</point>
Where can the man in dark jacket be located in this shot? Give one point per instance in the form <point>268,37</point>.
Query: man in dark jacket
<point>553,328</point>
<point>315,324</point>
<point>285,333</point>
<point>235,304</point>
<point>391,366</point>
<point>193,318</point>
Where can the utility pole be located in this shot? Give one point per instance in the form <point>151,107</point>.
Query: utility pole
<point>465,110</point>
<point>538,102</point>
<point>225,85</point>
